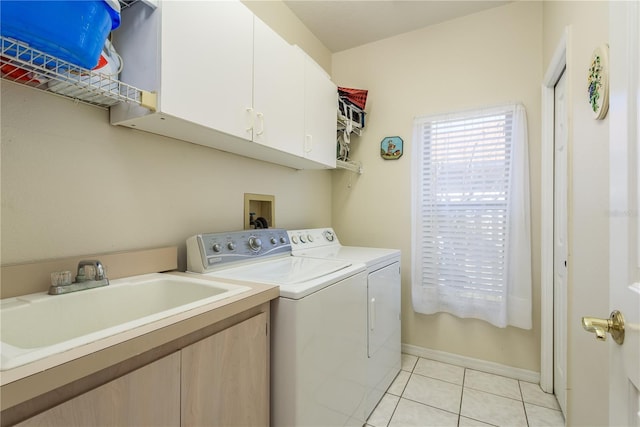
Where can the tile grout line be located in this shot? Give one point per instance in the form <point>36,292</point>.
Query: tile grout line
<point>403,389</point>
<point>406,384</point>
<point>524,407</point>
<point>438,379</point>
<point>394,410</point>
<point>430,406</point>
<point>495,394</point>
<point>464,374</point>
<point>399,397</point>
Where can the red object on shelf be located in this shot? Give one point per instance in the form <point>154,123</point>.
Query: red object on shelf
<point>18,74</point>
<point>15,73</point>
<point>357,97</point>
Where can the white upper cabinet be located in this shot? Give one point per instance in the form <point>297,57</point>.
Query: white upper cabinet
<point>278,91</point>
<point>321,103</point>
<point>206,62</point>
<point>224,79</point>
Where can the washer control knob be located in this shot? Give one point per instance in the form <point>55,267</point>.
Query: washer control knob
<point>231,246</point>
<point>303,239</point>
<point>309,238</point>
<point>255,243</point>
<point>294,239</point>
<point>329,235</point>
<point>216,247</point>
<point>273,241</point>
<point>283,240</point>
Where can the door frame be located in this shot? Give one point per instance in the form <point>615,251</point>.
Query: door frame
<point>557,65</point>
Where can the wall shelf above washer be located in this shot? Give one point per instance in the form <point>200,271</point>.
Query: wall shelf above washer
<point>26,66</point>
<point>355,167</point>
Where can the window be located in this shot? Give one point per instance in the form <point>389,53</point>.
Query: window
<point>471,234</point>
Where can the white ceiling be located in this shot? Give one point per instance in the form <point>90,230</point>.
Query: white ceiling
<point>343,24</point>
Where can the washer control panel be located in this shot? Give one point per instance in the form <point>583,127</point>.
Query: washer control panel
<point>206,252</point>
<point>312,238</point>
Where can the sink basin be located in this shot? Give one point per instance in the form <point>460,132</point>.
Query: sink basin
<point>39,325</point>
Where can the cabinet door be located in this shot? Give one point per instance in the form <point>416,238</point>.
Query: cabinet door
<point>278,94</point>
<point>225,378</point>
<point>206,64</point>
<point>321,103</point>
<point>149,396</point>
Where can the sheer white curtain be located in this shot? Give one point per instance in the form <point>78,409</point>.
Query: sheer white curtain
<point>471,248</point>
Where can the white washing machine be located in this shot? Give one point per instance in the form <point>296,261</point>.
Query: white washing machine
<point>383,302</point>
<point>318,345</point>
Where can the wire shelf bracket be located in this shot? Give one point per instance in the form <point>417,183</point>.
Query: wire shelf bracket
<point>355,167</point>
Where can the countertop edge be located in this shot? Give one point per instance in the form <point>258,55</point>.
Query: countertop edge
<point>30,381</point>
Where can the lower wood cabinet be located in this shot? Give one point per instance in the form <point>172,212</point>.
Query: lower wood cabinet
<point>149,396</point>
<point>221,380</point>
<point>225,378</point>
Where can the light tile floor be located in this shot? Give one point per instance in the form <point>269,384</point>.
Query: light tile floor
<point>428,393</point>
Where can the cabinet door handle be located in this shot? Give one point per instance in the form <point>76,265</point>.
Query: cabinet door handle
<point>308,143</point>
<point>261,117</point>
<point>250,111</point>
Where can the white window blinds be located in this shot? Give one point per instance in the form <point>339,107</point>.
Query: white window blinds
<point>471,233</point>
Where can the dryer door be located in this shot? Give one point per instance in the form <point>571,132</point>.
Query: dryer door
<point>384,310</point>
<point>383,326</point>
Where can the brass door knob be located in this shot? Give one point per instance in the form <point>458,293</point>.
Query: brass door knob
<point>614,325</point>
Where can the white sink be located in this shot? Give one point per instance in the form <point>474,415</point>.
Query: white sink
<point>39,325</point>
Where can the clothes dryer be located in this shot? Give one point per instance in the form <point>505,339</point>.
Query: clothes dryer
<point>383,302</point>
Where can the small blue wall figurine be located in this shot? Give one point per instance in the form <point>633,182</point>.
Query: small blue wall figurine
<point>391,148</point>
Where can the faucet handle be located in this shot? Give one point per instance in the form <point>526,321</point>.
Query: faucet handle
<point>60,278</point>
<point>97,271</point>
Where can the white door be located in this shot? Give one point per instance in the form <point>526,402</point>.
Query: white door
<point>383,332</point>
<point>624,244</point>
<point>321,100</point>
<point>278,91</point>
<point>207,64</point>
<point>560,244</point>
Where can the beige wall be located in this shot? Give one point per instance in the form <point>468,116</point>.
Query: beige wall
<point>280,18</point>
<point>489,58</point>
<point>72,184</point>
<point>587,394</point>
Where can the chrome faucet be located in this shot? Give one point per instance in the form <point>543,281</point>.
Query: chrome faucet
<point>82,281</point>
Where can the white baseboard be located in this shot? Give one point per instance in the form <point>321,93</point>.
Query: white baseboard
<point>471,363</point>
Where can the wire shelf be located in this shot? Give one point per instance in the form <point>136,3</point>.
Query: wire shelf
<point>24,65</point>
<point>346,127</point>
<point>344,123</point>
<point>355,167</point>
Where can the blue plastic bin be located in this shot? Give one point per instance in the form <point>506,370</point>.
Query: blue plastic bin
<point>74,31</point>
